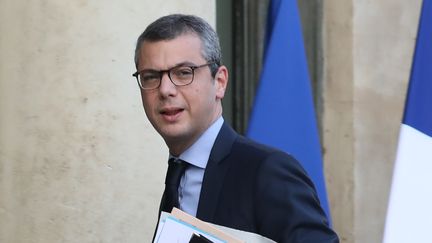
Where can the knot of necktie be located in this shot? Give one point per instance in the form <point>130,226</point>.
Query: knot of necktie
<point>175,171</point>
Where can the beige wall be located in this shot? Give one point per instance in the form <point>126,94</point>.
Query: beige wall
<point>338,115</point>
<point>369,47</point>
<point>79,162</point>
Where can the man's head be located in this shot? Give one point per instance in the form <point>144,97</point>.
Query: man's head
<point>172,26</point>
<point>182,81</point>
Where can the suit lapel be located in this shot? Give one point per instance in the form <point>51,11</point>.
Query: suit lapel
<point>215,171</point>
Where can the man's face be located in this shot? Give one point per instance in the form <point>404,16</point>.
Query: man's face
<point>181,113</point>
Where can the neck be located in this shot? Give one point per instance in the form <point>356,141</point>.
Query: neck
<point>177,146</point>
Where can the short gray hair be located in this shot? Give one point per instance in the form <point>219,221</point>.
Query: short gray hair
<point>172,26</point>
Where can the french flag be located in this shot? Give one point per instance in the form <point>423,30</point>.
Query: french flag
<point>409,215</point>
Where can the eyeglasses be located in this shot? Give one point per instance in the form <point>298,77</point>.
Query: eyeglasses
<point>179,76</point>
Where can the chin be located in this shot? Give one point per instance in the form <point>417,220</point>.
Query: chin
<point>172,133</point>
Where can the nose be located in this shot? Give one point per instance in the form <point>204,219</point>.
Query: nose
<point>167,88</point>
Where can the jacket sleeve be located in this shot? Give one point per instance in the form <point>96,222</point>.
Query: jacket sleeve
<point>287,206</point>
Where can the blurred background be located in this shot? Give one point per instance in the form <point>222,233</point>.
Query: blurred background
<point>79,162</point>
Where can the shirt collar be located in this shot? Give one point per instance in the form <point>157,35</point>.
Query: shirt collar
<point>199,153</point>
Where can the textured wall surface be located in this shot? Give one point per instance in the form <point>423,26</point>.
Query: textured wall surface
<point>338,115</point>
<point>79,162</point>
<point>368,53</point>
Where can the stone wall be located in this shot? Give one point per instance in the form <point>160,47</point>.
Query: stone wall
<point>79,162</point>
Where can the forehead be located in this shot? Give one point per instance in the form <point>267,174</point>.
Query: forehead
<point>167,53</point>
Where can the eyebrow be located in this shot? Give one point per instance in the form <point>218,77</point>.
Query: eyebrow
<point>185,63</point>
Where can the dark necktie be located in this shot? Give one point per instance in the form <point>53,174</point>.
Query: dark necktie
<point>176,168</point>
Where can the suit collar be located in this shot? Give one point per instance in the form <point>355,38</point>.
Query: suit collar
<point>222,145</point>
<point>215,172</point>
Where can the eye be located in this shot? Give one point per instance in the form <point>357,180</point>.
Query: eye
<point>182,72</point>
<point>149,77</point>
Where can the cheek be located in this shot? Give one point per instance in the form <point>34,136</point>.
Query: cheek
<point>147,103</point>
<point>203,97</point>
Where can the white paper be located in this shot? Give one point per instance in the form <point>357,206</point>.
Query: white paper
<point>172,230</point>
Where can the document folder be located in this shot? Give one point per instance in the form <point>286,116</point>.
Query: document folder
<point>179,226</point>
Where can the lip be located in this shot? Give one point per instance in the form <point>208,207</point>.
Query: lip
<point>171,114</point>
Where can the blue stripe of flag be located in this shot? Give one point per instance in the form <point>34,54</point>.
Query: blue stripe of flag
<point>418,107</point>
<point>283,115</point>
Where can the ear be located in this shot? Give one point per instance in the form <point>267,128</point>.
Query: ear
<point>221,82</point>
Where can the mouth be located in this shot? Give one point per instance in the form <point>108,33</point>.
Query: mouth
<point>171,114</point>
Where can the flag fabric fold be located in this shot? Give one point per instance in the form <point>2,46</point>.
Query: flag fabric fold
<point>409,211</point>
<point>283,114</point>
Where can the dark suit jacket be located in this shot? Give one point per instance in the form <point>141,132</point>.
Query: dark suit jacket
<point>255,188</point>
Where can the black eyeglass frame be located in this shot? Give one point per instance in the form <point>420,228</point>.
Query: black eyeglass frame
<point>168,71</point>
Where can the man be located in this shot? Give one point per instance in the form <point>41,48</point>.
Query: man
<point>223,177</point>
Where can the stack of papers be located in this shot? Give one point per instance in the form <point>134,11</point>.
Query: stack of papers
<point>180,227</point>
